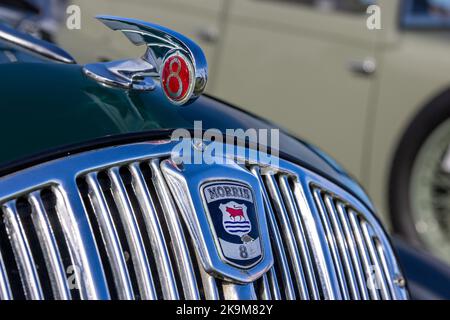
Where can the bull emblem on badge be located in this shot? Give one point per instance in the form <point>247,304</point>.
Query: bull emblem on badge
<point>235,220</point>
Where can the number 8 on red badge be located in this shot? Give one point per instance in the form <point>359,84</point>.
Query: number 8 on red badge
<point>177,78</point>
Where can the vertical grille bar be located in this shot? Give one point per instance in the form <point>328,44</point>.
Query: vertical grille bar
<point>354,221</point>
<point>265,288</point>
<point>273,284</point>
<point>386,269</point>
<point>22,252</point>
<point>5,288</point>
<point>278,243</point>
<point>379,276</point>
<point>91,282</point>
<point>49,248</point>
<point>134,237</point>
<point>343,248</point>
<point>300,236</point>
<point>159,248</point>
<point>209,283</point>
<point>316,235</point>
<point>179,243</point>
<point>288,236</point>
<point>332,244</point>
<point>353,251</point>
<point>111,238</point>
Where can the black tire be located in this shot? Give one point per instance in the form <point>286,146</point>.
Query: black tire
<point>424,123</point>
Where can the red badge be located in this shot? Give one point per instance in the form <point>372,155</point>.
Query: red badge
<point>177,78</point>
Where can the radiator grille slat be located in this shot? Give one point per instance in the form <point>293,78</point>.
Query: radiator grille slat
<point>379,279</point>
<point>111,238</point>
<point>385,267</point>
<point>343,248</point>
<point>279,252</point>
<point>265,289</point>
<point>179,244</point>
<point>320,251</point>
<point>159,247</point>
<point>286,229</point>
<point>209,284</point>
<point>5,288</point>
<point>332,243</point>
<point>367,263</point>
<point>49,248</point>
<point>133,235</point>
<point>77,232</point>
<point>273,284</point>
<point>22,252</point>
<point>359,271</point>
<point>304,249</point>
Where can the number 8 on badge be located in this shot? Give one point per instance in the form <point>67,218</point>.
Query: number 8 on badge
<point>177,78</point>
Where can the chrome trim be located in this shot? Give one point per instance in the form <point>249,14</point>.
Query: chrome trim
<point>286,229</point>
<point>111,238</point>
<point>352,247</point>
<point>209,283</point>
<point>343,249</point>
<point>35,45</point>
<point>153,225</point>
<point>265,289</point>
<point>22,252</point>
<point>183,261</point>
<point>361,231</point>
<point>161,43</point>
<point>300,237</point>
<point>277,242</point>
<point>380,279</point>
<point>79,238</point>
<point>316,236</point>
<point>133,235</point>
<point>273,284</point>
<point>332,244</point>
<point>49,247</point>
<point>133,74</point>
<point>363,251</point>
<point>5,288</point>
<point>232,291</point>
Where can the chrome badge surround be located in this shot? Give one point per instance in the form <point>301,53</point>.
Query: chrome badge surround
<point>140,73</point>
<point>187,182</point>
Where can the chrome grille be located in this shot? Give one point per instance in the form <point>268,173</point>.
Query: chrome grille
<point>37,249</point>
<point>147,249</point>
<point>104,224</point>
<point>302,212</point>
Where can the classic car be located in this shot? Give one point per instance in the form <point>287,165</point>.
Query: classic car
<point>100,199</point>
<point>376,100</point>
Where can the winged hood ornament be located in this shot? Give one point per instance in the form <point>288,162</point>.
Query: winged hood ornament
<point>173,60</point>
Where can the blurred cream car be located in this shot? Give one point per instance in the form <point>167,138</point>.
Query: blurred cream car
<point>376,100</point>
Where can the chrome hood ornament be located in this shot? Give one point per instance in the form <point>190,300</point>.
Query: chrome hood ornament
<point>176,62</point>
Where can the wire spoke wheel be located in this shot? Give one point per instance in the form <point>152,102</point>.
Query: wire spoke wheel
<point>430,191</point>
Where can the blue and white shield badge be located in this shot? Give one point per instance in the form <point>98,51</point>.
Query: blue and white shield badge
<point>234,220</point>
<point>224,211</point>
